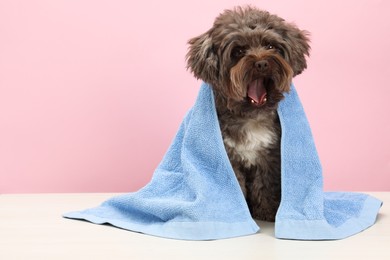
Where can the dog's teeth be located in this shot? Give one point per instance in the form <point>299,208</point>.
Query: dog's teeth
<point>252,101</point>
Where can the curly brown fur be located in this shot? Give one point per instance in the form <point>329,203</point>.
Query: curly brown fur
<point>249,57</point>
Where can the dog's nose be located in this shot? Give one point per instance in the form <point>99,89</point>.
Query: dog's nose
<point>262,65</point>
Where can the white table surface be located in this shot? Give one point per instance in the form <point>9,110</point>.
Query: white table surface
<point>31,227</point>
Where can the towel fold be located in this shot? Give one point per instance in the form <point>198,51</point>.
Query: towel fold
<point>194,194</point>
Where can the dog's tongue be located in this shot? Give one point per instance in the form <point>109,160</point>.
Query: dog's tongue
<point>257,92</point>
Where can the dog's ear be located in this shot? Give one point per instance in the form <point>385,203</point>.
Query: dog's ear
<point>202,59</point>
<point>298,48</point>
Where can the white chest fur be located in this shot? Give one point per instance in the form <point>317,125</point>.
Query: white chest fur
<point>253,137</point>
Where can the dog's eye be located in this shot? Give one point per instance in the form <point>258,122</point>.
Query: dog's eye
<point>272,47</point>
<point>238,52</point>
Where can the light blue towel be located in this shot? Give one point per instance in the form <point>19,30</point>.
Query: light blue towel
<point>194,194</point>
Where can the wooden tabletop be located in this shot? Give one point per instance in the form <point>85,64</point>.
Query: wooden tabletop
<point>31,227</point>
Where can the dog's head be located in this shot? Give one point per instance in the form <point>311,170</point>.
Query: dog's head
<point>249,56</point>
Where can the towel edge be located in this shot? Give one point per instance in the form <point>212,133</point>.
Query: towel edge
<point>321,230</point>
<point>177,230</point>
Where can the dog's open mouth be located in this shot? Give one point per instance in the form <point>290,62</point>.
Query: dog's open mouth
<point>257,91</point>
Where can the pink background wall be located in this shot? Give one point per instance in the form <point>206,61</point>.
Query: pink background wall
<point>92,92</point>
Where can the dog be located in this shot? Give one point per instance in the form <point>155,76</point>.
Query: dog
<point>249,57</point>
